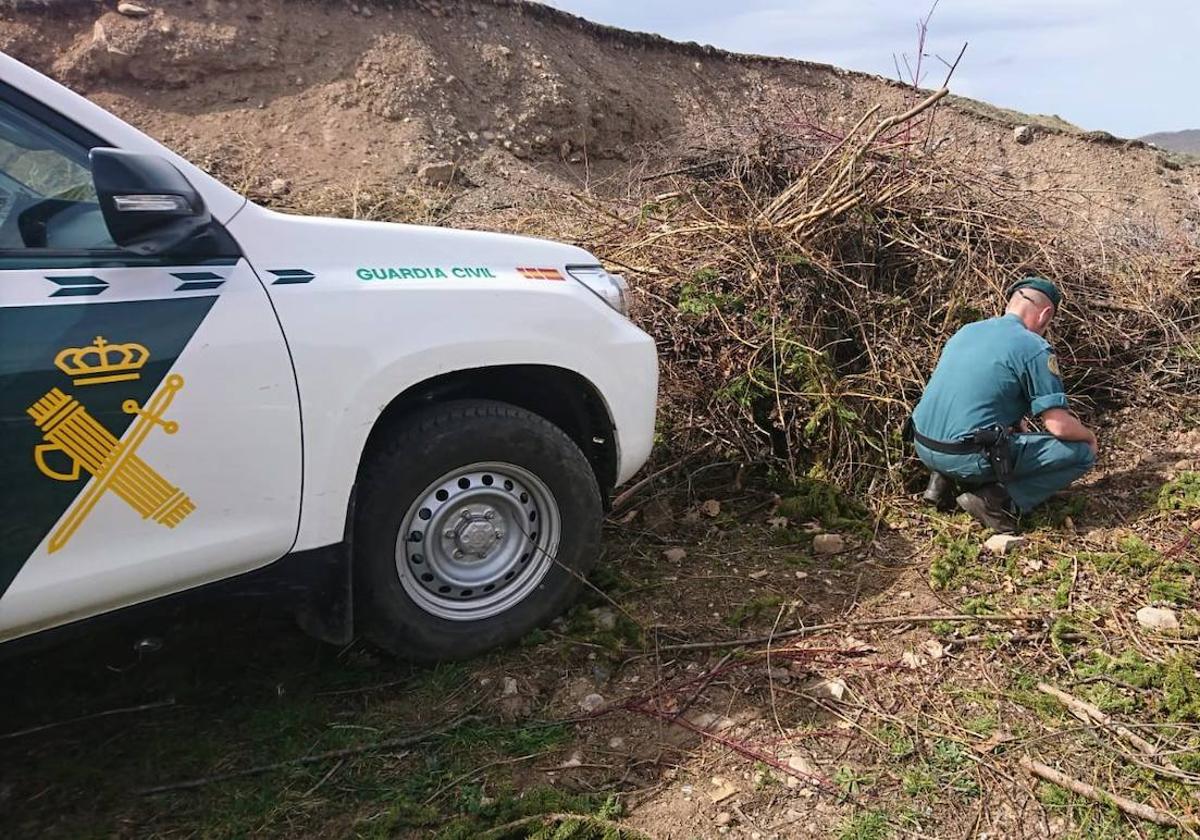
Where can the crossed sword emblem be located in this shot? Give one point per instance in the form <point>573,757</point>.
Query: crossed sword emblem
<point>67,427</point>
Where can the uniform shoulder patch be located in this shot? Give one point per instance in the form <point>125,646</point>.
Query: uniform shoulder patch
<point>1052,363</point>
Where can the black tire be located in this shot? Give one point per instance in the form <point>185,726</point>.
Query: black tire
<point>428,445</point>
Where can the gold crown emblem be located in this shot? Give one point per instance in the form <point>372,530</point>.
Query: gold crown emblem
<point>102,362</point>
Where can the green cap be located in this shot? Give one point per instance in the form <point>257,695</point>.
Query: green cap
<point>1039,284</point>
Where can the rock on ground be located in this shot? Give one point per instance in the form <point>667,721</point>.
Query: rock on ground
<point>1004,544</point>
<point>829,544</point>
<point>1023,134</point>
<point>437,174</point>
<point>1157,618</point>
<point>591,703</point>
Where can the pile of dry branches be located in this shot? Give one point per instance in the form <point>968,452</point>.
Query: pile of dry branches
<point>800,292</point>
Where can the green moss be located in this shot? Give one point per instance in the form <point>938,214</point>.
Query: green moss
<point>812,499</point>
<point>1181,689</point>
<point>1181,494</point>
<point>754,609</point>
<point>955,556</point>
<point>978,605</point>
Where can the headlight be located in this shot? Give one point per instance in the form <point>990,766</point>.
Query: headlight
<point>610,288</point>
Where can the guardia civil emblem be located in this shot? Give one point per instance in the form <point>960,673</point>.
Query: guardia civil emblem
<point>81,444</point>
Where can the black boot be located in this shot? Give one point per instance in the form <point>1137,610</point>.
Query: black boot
<point>990,505</point>
<point>939,490</point>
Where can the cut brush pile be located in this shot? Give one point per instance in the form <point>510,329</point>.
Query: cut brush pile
<point>800,292</point>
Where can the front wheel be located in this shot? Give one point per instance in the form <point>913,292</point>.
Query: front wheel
<point>477,522</point>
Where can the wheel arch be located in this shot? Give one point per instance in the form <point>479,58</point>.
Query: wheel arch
<point>560,396</point>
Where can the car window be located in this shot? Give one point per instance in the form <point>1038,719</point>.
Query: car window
<point>47,199</point>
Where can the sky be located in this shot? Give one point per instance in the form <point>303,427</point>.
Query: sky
<point>1130,67</point>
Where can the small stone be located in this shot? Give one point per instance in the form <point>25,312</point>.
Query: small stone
<point>674,555</point>
<point>591,703</point>
<point>833,689</point>
<point>575,760</point>
<point>829,544</point>
<point>132,10</point>
<point>510,687</point>
<point>1023,134</point>
<point>803,767</point>
<point>801,575</point>
<point>933,649</point>
<point>438,173</point>
<point>481,25</point>
<point>604,618</point>
<point>905,595</point>
<point>366,11</point>
<point>1157,618</point>
<point>616,743</point>
<point>687,791</point>
<point>722,789</point>
<point>1004,544</point>
<point>710,721</point>
<point>781,674</point>
<point>760,574</point>
<point>281,186</point>
<point>724,818</point>
<point>711,508</point>
<point>1196,526</point>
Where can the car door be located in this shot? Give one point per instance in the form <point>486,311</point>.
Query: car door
<point>149,420</point>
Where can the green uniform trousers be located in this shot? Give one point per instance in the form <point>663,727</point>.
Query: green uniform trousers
<point>1042,465</point>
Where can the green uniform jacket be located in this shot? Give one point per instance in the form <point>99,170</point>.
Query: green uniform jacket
<point>991,372</point>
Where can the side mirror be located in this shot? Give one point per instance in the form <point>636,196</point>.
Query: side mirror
<point>148,205</point>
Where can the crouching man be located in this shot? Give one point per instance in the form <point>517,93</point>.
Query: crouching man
<point>969,427</point>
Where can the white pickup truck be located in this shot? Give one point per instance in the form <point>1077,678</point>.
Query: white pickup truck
<point>422,425</point>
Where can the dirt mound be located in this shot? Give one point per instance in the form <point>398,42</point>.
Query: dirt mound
<point>521,96</point>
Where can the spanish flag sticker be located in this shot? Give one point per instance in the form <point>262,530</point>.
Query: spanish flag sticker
<point>541,274</point>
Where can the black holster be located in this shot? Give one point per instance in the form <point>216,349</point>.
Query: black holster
<point>996,444</point>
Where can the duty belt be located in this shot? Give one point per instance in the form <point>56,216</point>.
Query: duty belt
<point>992,441</point>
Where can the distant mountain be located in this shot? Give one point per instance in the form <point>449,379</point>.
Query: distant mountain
<point>1185,142</point>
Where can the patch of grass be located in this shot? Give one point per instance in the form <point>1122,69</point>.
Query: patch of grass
<point>899,744</point>
<point>865,825</point>
<point>1181,494</point>
<point>982,725</point>
<point>953,765</point>
<point>918,781</point>
<point>853,781</point>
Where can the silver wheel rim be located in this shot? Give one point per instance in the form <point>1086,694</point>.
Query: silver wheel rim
<point>478,541</point>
